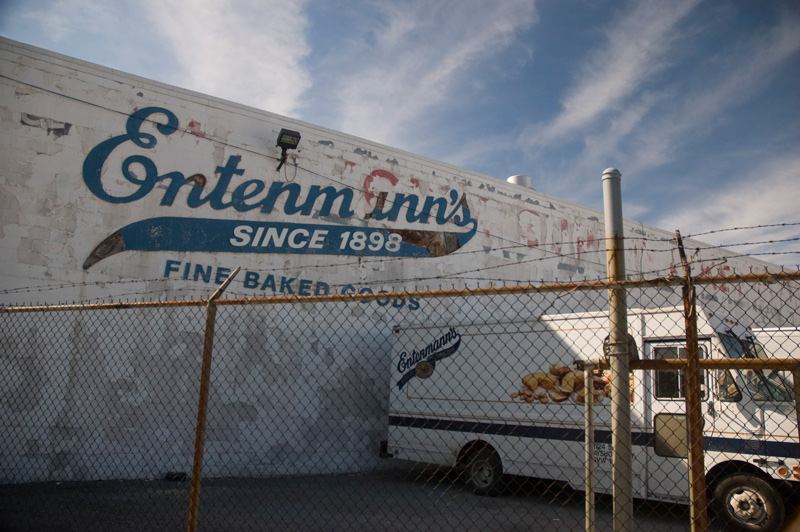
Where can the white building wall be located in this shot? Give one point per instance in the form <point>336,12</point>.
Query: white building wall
<point>56,110</point>
<point>57,236</point>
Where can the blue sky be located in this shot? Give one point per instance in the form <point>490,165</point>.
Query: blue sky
<point>696,102</point>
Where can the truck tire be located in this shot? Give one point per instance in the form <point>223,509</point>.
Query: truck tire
<point>484,472</point>
<point>749,503</point>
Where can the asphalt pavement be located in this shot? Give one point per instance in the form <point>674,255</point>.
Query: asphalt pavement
<point>398,498</point>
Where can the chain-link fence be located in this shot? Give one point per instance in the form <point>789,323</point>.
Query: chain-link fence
<point>414,411</point>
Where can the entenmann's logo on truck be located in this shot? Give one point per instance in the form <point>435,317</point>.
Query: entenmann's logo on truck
<point>421,363</point>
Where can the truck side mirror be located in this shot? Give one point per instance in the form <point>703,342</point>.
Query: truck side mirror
<point>671,435</point>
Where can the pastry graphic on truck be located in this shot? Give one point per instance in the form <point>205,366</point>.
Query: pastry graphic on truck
<point>497,398</point>
<point>562,383</point>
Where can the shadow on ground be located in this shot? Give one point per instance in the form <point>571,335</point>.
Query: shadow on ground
<point>399,497</point>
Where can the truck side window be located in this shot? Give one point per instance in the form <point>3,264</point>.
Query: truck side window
<point>727,389</point>
<point>670,382</point>
<point>767,385</point>
<point>763,385</point>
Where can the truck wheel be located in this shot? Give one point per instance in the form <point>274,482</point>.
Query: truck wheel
<point>484,472</point>
<point>749,503</point>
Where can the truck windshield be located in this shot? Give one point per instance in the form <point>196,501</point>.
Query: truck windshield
<point>764,385</point>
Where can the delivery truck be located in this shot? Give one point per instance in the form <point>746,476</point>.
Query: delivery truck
<point>496,398</point>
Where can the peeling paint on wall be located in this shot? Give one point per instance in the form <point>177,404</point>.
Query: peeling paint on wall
<point>365,153</point>
<point>58,129</point>
<point>196,129</point>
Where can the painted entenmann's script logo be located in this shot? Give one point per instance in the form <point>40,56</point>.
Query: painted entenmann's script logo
<point>256,196</point>
<point>443,347</point>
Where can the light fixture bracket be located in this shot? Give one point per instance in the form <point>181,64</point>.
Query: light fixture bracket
<point>287,140</point>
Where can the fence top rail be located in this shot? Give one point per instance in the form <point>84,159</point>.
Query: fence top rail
<point>671,280</point>
<point>721,363</point>
<point>704,363</point>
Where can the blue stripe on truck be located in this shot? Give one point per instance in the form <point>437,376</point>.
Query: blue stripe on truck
<point>643,439</point>
<point>507,429</point>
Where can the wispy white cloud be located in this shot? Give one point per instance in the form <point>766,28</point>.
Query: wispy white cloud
<point>413,59</point>
<point>637,46</point>
<point>247,51</point>
<point>736,76</point>
<point>610,147</point>
<point>647,128</point>
<point>64,18</point>
<point>766,196</point>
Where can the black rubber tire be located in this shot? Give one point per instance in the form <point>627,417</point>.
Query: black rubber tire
<point>749,503</point>
<point>484,472</point>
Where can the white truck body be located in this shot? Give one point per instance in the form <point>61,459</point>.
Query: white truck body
<point>781,342</point>
<point>460,388</point>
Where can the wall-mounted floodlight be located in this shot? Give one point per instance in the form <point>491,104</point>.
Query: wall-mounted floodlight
<point>287,140</point>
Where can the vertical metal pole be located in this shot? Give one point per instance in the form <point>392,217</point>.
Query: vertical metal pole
<point>619,354</point>
<point>796,387</point>
<point>202,407</point>
<point>694,412</point>
<point>588,384</point>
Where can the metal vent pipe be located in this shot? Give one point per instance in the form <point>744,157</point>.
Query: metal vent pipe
<point>619,353</point>
<point>521,180</point>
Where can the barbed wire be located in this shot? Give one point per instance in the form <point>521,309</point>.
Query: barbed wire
<point>517,247</point>
<point>743,228</point>
<point>552,256</point>
<point>462,277</point>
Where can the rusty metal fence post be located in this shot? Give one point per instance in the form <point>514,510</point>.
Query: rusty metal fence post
<point>796,394</point>
<point>202,408</point>
<point>588,372</point>
<point>694,413</point>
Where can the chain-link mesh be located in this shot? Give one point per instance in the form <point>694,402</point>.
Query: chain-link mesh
<point>464,412</point>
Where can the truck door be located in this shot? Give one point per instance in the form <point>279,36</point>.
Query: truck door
<point>735,423</point>
<point>750,423</point>
<point>774,397</point>
<point>667,469</point>
<point>752,406</point>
